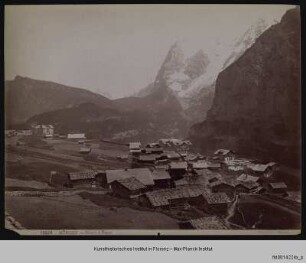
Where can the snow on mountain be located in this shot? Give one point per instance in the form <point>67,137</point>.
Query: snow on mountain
<point>246,40</point>
<point>221,56</point>
<point>193,78</point>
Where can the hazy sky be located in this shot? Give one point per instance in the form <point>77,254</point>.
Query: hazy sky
<point>116,50</point>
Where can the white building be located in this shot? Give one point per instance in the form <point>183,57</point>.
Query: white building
<point>76,136</point>
<point>43,130</point>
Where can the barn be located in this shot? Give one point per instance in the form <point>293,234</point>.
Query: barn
<point>144,175</point>
<point>216,202</point>
<point>279,188</point>
<point>220,186</point>
<point>161,178</point>
<point>128,187</point>
<point>177,169</point>
<point>85,178</point>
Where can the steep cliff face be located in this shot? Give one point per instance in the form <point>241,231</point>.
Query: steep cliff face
<point>256,109</point>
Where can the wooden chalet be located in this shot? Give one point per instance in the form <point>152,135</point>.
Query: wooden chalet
<point>243,186</point>
<point>144,175</point>
<point>147,158</point>
<point>221,186</point>
<point>224,155</point>
<point>85,150</point>
<point>277,188</point>
<point>198,165</point>
<point>134,148</point>
<point>128,187</point>
<point>171,155</point>
<point>249,178</point>
<point>161,178</point>
<point>177,169</point>
<point>216,202</point>
<point>153,145</point>
<point>263,170</point>
<point>87,177</point>
<point>180,195</point>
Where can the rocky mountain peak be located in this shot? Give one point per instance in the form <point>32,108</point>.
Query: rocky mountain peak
<point>257,98</point>
<point>196,65</point>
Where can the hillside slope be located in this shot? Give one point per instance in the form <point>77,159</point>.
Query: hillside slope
<point>25,97</point>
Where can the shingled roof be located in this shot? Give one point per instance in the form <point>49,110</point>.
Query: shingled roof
<point>178,165</point>
<point>131,183</point>
<point>259,167</point>
<point>83,175</point>
<point>199,165</point>
<point>160,174</point>
<point>162,197</point>
<point>216,198</point>
<point>278,185</point>
<point>247,178</point>
<point>148,158</point>
<point>144,175</point>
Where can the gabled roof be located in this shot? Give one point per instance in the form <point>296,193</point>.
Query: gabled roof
<point>247,178</point>
<point>160,174</point>
<point>187,142</point>
<point>260,167</point>
<point>250,184</point>
<point>278,185</point>
<point>154,150</point>
<point>172,155</point>
<point>235,168</point>
<point>134,145</point>
<point>135,150</point>
<point>161,166</point>
<point>76,136</point>
<point>144,175</point>
<point>147,158</point>
<point>209,175</point>
<point>162,197</point>
<point>216,198</point>
<point>153,144</point>
<point>217,183</point>
<point>247,184</point>
<point>213,165</point>
<point>209,222</point>
<point>199,165</point>
<point>85,149</point>
<point>223,152</point>
<point>82,175</point>
<point>238,161</point>
<point>178,165</point>
<point>131,183</point>
<point>43,126</point>
<point>181,182</point>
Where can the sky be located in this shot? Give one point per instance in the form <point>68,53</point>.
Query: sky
<point>116,50</point>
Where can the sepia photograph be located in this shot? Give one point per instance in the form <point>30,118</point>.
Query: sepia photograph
<point>153,119</point>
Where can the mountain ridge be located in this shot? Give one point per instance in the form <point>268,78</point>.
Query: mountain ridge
<point>257,98</point>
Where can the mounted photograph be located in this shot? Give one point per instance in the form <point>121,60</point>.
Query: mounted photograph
<point>153,119</point>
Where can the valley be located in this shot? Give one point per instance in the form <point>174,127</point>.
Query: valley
<point>213,143</point>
